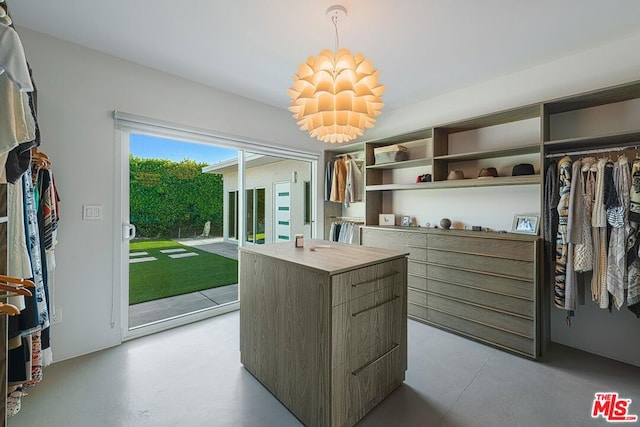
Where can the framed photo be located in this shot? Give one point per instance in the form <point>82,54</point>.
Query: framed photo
<point>406,221</point>
<point>525,224</point>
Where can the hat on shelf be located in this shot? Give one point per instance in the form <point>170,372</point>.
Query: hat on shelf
<point>424,178</point>
<point>457,174</point>
<point>488,173</point>
<point>523,169</point>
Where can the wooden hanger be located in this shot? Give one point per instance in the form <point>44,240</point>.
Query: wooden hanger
<point>9,309</point>
<point>24,282</point>
<point>17,290</point>
<point>40,159</point>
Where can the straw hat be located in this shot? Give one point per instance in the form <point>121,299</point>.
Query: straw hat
<point>457,174</point>
<point>488,173</point>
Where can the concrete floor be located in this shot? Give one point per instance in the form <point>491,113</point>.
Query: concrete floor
<point>192,376</point>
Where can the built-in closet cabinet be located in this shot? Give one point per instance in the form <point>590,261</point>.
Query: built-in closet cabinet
<point>334,211</point>
<point>625,131</point>
<point>600,121</point>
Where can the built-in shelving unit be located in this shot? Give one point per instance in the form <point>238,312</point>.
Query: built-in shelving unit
<point>431,152</point>
<point>603,120</point>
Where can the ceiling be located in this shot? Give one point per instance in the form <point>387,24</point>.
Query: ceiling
<point>423,48</point>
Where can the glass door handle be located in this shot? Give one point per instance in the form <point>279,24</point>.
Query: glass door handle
<point>128,231</point>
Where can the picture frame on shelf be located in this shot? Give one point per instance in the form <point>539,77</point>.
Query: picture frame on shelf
<point>406,221</point>
<point>525,224</point>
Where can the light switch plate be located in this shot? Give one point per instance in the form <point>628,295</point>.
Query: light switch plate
<point>91,212</point>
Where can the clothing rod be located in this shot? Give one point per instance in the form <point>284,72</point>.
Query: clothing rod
<point>593,151</point>
<point>348,218</point>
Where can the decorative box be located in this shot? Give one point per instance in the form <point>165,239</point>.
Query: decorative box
<point>390,154</point>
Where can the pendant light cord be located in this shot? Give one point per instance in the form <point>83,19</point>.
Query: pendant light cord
<point>334,19</point>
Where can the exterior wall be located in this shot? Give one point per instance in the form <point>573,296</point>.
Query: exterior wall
<point>265,177</point>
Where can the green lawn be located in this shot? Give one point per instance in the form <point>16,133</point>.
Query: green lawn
<point>168,277</point>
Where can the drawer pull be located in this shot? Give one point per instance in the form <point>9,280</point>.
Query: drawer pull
<point>365,366</point>
<point>393,273</point>
<point>375,306</point>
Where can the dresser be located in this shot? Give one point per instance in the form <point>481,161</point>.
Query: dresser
<point>483,285</point>
<point>325,331</point>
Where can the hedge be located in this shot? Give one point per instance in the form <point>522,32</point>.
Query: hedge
<point>166,197</point>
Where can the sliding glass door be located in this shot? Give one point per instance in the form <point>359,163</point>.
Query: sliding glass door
<point>184,218</point>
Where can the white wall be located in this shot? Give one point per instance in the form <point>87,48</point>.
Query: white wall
<point>78,89</point>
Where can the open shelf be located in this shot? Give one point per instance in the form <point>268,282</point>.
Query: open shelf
<point>515,151</point>
<point>593,141</point>
<point>494,119</point>
<point>619,93</point>
<point>402,165</point>
<point>460,183</point>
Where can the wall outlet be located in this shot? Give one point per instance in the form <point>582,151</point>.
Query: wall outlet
<point>56,317</point>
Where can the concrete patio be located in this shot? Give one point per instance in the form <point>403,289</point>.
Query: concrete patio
<point>153,311</point>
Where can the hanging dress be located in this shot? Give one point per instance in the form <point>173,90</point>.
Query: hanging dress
<point>633,242</point>
<point>583,252</point>
<point>564,180</point>
<point>599,235</point>
<point>619,221</point>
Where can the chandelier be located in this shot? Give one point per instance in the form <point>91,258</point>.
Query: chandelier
<point>336,95</point>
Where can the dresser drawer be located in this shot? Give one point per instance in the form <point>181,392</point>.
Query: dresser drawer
<point>356,283</point>
<point>501,302</point>
<point>505,248</point>
<point>417,282</point>
<point>489,264</point>
<point>479,331</point>
<point>373,319</point>
<point>417,297</point>
<point>417,253</point>
<point>485,316</point>
<point>416,311</point>
<point>365,381</point>
<point>417,268</point>
<point>521,288</point>
<point>391,238</point>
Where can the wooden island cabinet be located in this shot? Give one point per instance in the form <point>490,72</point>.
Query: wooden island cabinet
<point>326,330</point>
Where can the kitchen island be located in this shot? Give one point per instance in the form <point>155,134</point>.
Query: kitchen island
<point>324,330</point>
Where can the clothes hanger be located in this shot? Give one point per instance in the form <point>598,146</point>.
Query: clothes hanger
<point>40,159</point>
<point>18,290</point>
<point>9,309</point>
<point>24,282</point>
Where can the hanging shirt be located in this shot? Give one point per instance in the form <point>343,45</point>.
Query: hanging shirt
<point>17,124</point>
<point>339,180</point>
<point>354,186</point>
<point>328,178</point>
<point>13,60</point>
